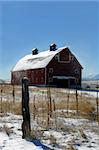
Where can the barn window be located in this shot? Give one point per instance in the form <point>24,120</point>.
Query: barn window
<point>64,57</point>
<point>50,70</point>
<point>56,57</point>
<point>76,80</point>
<point>50,80</point>
<point>71,58</point>
<point>76,71</point>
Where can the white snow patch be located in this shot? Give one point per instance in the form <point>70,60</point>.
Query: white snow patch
<point>15,142</point>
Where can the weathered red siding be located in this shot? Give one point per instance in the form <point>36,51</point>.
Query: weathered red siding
<point>36,76</point>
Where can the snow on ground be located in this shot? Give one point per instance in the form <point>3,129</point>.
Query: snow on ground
<point>88,93</point>
<point>81,134</point>
<point>15,142</point>
<point>11,135</point>
<point>85,93</point>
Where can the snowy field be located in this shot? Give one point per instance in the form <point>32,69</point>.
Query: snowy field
<point>66,132</point>
<point>78,134</point>
<point>81,92</point>
<point>90,83</point>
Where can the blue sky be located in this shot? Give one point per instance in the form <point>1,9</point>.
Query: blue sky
<point>28,24</point>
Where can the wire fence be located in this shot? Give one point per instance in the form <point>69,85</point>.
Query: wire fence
<point>48,104</point>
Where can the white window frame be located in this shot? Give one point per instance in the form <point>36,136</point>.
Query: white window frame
<point>71,57</point>
<point>57,57</point>
<point>76,71</point>
<point>50,70</point>
<point>60,61</point>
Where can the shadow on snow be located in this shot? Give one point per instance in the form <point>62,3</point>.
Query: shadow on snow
<point>38,143</point>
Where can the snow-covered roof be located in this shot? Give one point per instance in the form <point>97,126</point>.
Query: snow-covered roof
<point>40,60</point>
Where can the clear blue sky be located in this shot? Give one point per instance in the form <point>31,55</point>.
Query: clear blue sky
<point>25,25</point>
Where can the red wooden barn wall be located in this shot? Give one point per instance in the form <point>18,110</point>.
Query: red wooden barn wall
<point>36,76</point>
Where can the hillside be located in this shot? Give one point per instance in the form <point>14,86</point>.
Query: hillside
<point>1,81</point>
<point>5,81</point>
<point>92,77</point>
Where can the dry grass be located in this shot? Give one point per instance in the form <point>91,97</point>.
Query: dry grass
<point>10,107</point>
<point>39,107</point>
<point>84,106</point>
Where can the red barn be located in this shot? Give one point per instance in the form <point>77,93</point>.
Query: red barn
<point>55,67</point>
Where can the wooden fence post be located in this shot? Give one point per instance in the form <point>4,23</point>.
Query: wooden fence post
<point>1,97</point>
<point>13,93</point>
<point>54,109</point>
<point>26,129</point>
<point>77,111</point>
<point>34,108</point>
<point>49,104</point>
<point>97,105</point>
<point>77,101</point>
<point>42,105</point>
<point>68,101</point>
